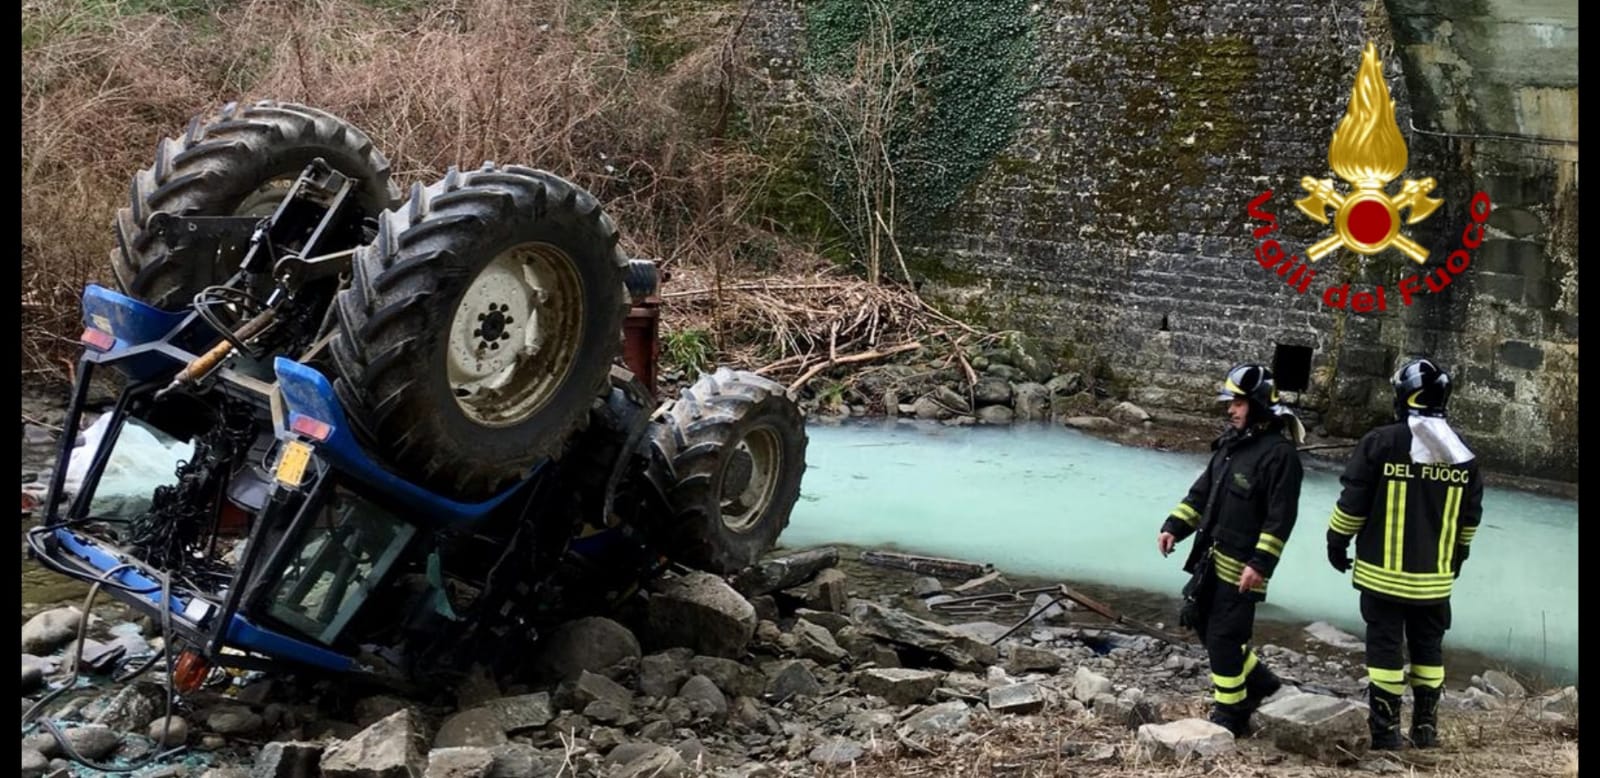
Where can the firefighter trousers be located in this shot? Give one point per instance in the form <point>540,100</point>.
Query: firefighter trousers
<point>1394,628</point>
<point>1227,620</point>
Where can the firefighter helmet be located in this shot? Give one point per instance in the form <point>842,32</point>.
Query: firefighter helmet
<point>1251,382</point>
<point>1421,388</point>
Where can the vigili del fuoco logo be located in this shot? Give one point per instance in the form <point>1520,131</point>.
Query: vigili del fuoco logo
<point>1369,153</point>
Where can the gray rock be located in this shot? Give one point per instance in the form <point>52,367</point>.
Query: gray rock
<point>1090,423</point>
<point>833,622</point>
<point>595,644</point>
<point>93,741</point>
<point>702,612</point>
<point>50,630</point>
<point>459,763</point>
<point>899,686</point>
<point>226,772</point>
<point>831,591</point>
<point>865,722</point>
<point>733,678</point>
<point>369,710</point>
<point>610,712</point>
<point>691,750</point>
<point>785,572</point>
<point>287,760</point>
<point>1184,739</point>
<point>836,751</point>
<point>520,760</point>
<point>1065,385</point>
<point>992,391</point>
<point>678,712</point>
<point>1325,728</point>
<point>1477,699</point>
<point>521,712</point>
<point>704,698</point>
<point>32,675</point>
<point>34,764</point>
<point>232,720</point>
<point>1564,702</point>
<point>627,752</point>
<point>656,730</point>
<point>661,673</point>
<point>962,651</point>
<point>1130,712</point>
<point>394,747</point>
<point>658,762</point>
<point>43,742</point>
<point>176,730</point>
<point>995,415</point>
<point>1086,684</point>
<point>1500,684</point>
<point>814,642</point>
<point>929,409</point>
<point>592,687</point>
<point>1001,372</point>
<point>477,727</point>
<point>951,399</point>
<point>1032,402</point>
<point>1020,698</point>
<point>943,718</point>
<point>1333,636</point>
<point>1128,413</point>
<point>926,585</point>
<point>133,708</point>
<point>1027,659</point>
<point>791,679</point>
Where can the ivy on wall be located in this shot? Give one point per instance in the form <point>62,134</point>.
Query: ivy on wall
<point>978,65</point>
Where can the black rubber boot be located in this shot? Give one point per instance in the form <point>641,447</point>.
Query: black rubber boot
<point>1259,685</point>
<point>1383,718</point>
<point>1234,718</point>
<point>1425,717</point>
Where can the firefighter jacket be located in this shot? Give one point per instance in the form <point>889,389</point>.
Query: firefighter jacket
<point>1243,505</point>
<point>1412,522</point>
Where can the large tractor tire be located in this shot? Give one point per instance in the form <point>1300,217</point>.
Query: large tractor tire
<point>733,446</point>
<point>239,161</point>
<point>479,326</point>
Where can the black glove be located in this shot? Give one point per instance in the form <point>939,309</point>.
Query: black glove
<point>1455,562</point>
<point>1338,551</point>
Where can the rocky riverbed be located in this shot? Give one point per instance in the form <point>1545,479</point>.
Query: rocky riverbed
<point>708,677</point>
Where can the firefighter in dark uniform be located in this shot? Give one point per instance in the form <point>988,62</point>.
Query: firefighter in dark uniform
<point>1241,510</point>
<point>1411,498</point>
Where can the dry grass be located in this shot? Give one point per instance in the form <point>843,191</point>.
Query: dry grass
<point>547,83</point>
<point>1502,743</point>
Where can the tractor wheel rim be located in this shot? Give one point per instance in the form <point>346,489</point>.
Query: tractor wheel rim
<point>515,334</point>
<point>749,501</point>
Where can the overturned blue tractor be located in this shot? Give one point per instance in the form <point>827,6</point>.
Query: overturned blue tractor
<point>410,436</point>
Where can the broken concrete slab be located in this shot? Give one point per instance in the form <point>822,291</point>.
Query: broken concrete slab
<point>961,651</point>
<point>1020,698</point>
<point>1184,739</point>
<point>1328,729</point>
<point>899,686</point>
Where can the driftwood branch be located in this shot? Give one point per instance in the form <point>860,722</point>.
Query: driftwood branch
<point>867,356</point>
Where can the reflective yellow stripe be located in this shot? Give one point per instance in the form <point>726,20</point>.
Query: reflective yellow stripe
<point>1343,523</point>
<point>1411,586</point>
<point>1388,525</point>
<point>1391,681</point>
<point>1400,530</point>
<point>1249,663</point>
<point>1228,697</point>
<point>1447,532</point>
<point>1270,544</point>
<point>1185,514</point>
<point>1229,570</point>
<point>1430,676</point>
<point>1466,535</point>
